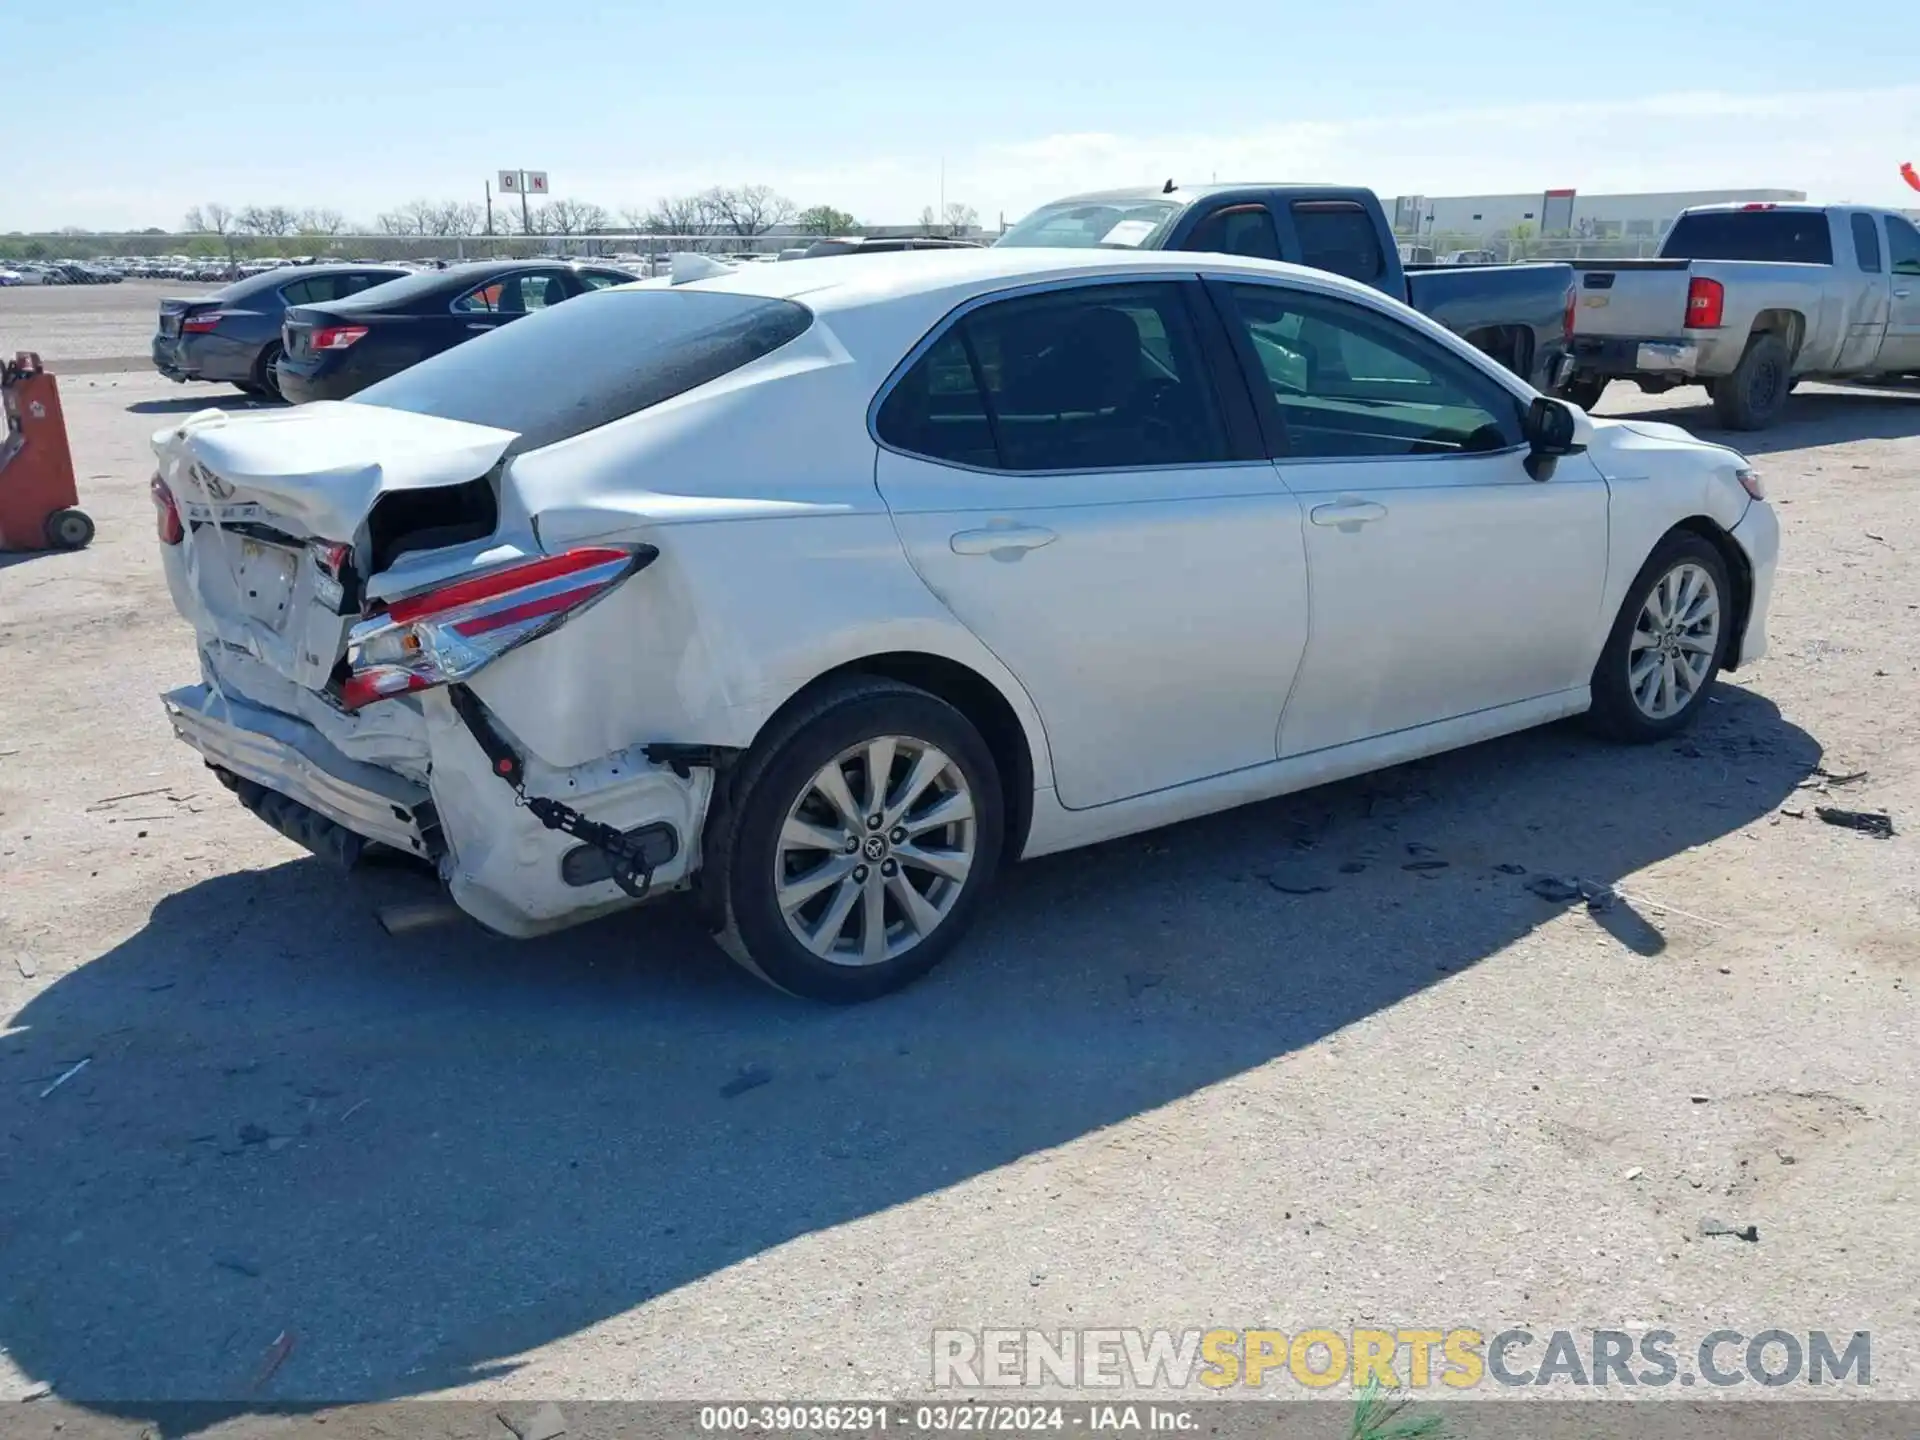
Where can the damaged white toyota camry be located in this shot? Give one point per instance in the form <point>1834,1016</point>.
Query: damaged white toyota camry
<point>820,588</point>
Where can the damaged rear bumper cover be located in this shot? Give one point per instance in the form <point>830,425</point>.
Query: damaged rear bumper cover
<point>500,864</point>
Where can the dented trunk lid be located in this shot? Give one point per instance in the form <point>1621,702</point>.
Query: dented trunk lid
<point>266,499</point>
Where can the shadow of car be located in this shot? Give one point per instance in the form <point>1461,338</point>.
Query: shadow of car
<point>432,1155</point>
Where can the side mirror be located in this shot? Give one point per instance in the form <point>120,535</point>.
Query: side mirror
<point>1553,428</point>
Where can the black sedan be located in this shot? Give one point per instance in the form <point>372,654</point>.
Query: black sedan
<point>234,333</point>
<point>337,350</point>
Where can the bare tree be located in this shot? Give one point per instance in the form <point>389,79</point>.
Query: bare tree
<point>569,217</point>
<point>825,220</point>
<point>451,217</point>
<point>960,218</point>
<point>929,222</point>
<point>416,217</point>
<point>213,218</point>
<point>687,215</point>
<point>748,210</point>
<point>266,220</point>
<point>322,222</point>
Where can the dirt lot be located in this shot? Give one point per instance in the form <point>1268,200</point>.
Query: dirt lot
<point>304,1159</point>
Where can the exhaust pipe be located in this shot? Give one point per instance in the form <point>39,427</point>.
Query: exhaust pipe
<point>409,917</point>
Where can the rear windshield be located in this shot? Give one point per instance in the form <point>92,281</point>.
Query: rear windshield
<point>611,353</point>
<point>1796,235</point>
<point>1087,224</point>
<point>419,284</point>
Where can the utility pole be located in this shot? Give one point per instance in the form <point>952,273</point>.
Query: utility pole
<point>489,207</point>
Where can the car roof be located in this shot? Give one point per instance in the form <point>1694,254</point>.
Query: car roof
<point>287,274</point>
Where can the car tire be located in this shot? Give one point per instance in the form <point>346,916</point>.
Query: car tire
<point>266,372</point>
<point>1752,396</point>
<point>1584,393</point>
<point>845,929</point>
<point>1663,620</point>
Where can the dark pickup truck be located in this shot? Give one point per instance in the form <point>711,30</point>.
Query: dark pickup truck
<point>1521,315</point>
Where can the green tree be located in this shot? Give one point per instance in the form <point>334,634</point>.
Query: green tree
<point>825,220</point>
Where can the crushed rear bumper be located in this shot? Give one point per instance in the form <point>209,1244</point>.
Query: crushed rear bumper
<point>291,758</point>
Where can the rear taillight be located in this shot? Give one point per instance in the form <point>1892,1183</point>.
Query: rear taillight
<point>1706,303</point>
<point>1758,205</point>
<point>1573,307</point>
<point>447,634</point>
<point>166,514</point>
<point>202,323</point>
<point>336,337</point>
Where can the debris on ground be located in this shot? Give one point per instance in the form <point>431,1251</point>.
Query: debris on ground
<point>251,1134</point>
<point>1700,1099</point>
<point>1876,823</point>
<point>1850,777</point>
<point>1511,869</point>
<point>66,1075</point>
<point>275,1357</point>
<point>25,966</point>
<point>1748,1233</point>
<point>1295,882</point>
<point>1141,981</point>
<point>1425,867</point>
<point>1558,888</point>
<point>1635,1173</point>
<point>238,1266</point>
<point>751,1078</point>
<point>36,1392</point>
<point>544,1424</point>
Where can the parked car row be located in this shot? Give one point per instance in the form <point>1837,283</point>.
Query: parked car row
<point>818,589</point>
<point>326,331</point>
<point>57,272</point>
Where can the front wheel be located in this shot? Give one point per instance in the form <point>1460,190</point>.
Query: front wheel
<point>868,827</point>
<point>1667,642</point>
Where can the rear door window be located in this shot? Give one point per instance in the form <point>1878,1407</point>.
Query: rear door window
<point>1340,236</point>
<point>1866,243</point>
<point>1095,377</point>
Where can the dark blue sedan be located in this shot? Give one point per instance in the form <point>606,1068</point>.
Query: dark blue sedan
<point>336,350</point>
<point>234,333</point>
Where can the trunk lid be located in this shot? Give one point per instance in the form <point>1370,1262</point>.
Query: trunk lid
<point>175,308</point>
<point>276,506</point>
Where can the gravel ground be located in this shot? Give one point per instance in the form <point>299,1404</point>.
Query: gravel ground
<point>87,329</point>
<point>1157,1088</point>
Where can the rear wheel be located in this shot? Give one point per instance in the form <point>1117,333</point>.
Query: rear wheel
<point>1667,642</point>
<point>1752,396</point>
<point>866,831</point>
<point>266,372</point>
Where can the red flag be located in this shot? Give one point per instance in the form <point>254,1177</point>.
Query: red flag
<point>1908,174</point>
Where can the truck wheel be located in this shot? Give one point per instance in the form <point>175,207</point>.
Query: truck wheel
<point>1666,644</point>
<point>1585,393</point>
<point>868,828</point>
<point>1751,397</point>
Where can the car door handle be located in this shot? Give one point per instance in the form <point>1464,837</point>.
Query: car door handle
<point>488,326</point>
<point>1003,541</point>
<point>1901,294</point>
<point>1348,512</point>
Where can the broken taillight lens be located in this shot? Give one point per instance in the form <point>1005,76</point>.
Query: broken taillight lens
<point>447,634</point>
<point>166,514</point>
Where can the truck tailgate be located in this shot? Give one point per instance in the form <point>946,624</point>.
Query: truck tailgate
<point>1641,299</point>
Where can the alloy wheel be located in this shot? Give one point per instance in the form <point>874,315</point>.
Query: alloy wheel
<point>1675,639</point>
<point>875,852</point>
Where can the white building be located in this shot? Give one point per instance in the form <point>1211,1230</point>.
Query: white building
<point>1562,213</point>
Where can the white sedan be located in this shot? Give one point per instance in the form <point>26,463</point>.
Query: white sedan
<point>820,589</point>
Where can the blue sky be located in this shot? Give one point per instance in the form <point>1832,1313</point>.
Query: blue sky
<point>146,109</point>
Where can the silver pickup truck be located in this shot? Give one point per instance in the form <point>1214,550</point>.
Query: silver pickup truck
<point>1749,299</point>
